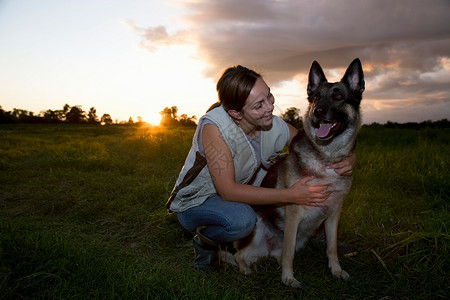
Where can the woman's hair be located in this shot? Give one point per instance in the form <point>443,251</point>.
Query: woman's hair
<point>234,87</point>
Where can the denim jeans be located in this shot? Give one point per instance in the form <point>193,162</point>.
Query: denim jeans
<point>225,221</point>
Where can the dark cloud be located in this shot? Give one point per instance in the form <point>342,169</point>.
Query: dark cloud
<point>285,36</point>
<point>404,45</point>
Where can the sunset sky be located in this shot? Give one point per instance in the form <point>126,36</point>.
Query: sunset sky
<point>132,58</point>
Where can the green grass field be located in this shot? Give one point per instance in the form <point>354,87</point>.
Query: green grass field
<point>82,216</point>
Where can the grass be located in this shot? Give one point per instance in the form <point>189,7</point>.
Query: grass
<point>82,216</point>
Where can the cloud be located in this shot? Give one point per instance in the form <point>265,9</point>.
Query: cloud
<point>285,36</point>
<point>155,37</point>
<point>404,45</point>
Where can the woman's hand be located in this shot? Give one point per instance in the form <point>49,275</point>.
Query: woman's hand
<point>313,195</point>
<point>310,195</point>
<point>345,167</point>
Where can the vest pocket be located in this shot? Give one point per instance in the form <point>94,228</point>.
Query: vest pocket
<point>191,192</point>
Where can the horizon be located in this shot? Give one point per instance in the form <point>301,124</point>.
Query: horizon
<point>139,119</point>
<point>132,59</point>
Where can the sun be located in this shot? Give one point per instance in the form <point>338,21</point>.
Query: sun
<point>152,118</point>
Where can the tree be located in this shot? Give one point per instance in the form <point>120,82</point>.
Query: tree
<point>56,116</point>
<point>169,116</point>
<point>17,113</point>
<point>65,110</point>
<point>292,116</point>
<point>75,115</point>
<point>52,116</point>
<point>106,119</point>
<point>184,120</point>
<point>92,116</point>
<point>25,116</point>
<point>5,117</point>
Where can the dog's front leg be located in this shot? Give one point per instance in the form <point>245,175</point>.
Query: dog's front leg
<point>331,225</point>
<point>241,260</point>
<point>292,219</point>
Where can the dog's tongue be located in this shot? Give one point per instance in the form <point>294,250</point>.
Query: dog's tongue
<point>323,130</point>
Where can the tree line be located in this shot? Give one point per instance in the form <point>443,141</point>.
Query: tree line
<point>76,115</point>
<point>68,114</point>
<point>169,118</point>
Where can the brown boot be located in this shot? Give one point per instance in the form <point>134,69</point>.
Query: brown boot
<point>205,252</point>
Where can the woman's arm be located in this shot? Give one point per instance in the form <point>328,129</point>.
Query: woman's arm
<point>221,168</point>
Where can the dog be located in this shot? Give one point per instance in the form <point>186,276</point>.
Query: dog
<point>330,127</point>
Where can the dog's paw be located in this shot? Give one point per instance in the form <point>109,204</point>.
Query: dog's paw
<point>242,263</point>
<point>245,270</point>
<point>341,274</point>
<point>292,282</point>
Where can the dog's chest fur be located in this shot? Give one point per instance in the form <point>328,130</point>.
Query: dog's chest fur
<point>304,160</point>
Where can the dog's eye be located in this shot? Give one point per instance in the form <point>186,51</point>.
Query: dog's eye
<point>338,97</point>
<point>316,97</point>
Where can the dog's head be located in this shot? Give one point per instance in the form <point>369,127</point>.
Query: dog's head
<point>333,107</point>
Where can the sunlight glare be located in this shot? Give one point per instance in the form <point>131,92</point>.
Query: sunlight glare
<point>152,118</point>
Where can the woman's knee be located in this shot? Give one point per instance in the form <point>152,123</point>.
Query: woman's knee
<point>243,223</point>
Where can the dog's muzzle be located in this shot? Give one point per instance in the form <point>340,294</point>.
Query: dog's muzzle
<point>324,128</point>
<point>320,111</point>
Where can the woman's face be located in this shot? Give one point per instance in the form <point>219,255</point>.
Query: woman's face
<point>258,108</point>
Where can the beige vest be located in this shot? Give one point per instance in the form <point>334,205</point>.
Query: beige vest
<point>194,184</point>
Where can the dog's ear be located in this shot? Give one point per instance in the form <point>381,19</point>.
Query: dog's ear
<point>354,77</point>
<point>316,77</point>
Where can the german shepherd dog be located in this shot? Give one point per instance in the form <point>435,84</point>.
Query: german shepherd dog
<point>330,127</point>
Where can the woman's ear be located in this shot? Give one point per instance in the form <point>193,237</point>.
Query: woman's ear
<point>235,114</point>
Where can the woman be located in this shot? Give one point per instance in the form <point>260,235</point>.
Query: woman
<point>236,141</point>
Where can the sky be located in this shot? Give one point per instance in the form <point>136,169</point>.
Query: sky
<point>133,58</point>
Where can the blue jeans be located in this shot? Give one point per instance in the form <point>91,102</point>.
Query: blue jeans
<point>225,221</point>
